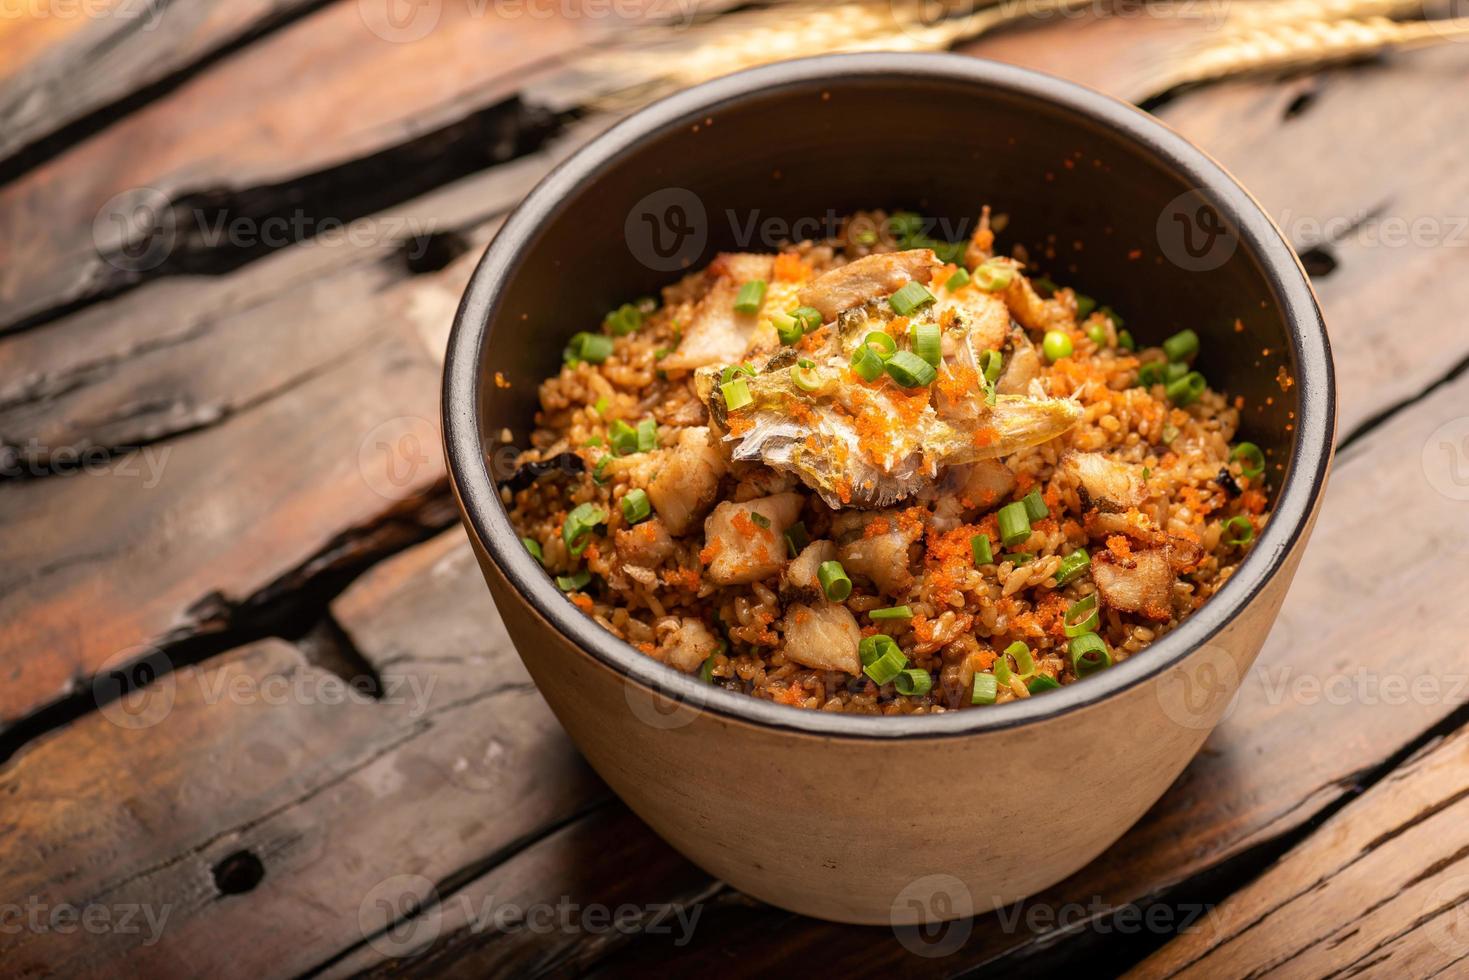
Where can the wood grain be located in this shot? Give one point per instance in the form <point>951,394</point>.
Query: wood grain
<point>342,799</point>
<point>1379,890</point>
<point>59,67</point>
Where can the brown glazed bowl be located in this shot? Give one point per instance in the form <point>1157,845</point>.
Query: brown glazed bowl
<point>874,819</point>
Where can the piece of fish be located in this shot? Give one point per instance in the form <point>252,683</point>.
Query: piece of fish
<point>866,279</point>
<point>716,334</point>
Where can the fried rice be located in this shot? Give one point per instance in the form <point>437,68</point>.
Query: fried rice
<point>823,572</point>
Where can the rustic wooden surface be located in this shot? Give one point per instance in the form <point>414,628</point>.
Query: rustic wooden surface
<point>254,686</point>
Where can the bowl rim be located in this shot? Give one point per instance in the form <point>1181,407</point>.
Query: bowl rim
<point>489,523</point>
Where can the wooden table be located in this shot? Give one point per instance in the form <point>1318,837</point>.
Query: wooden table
<point>259,716</point>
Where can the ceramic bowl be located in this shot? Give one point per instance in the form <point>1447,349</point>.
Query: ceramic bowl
<point>874,819</point>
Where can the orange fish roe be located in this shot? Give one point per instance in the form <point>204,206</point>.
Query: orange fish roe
<point>711,551</point>
<point>1120,547</point>
<point>584,602</point>
<point>742,523</point>
<point>958,383</point>
<point>815,340</point>
<point>876,528</point>
<point>790,267</point>
<point>1253,501</point>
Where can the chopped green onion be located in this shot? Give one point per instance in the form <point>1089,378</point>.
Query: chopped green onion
<point>1181,346</point>
<point>580,523</point>
<point>622,437</point>
<point>1082,616</point>
<point>991,362</point>
<point>706,670</point>
<point>928,342</point>
<point>736,394</point>
<point>803,377</point>
<point>892,612</point>
<point>636,506</point>
<point>1056,345</point>
<point>600,405</point>
<point>958,280</point>
<point>1111,314</point>
<point>1018,558</point>
<point>750,296</point>
<point>1097,334</point>
<point>1035,505</point>
<point>1072,566</point>
<point>874,648</point>
<point>887,666</point>
<point>1151,373</point>
<point>1014,524</point>
<point>1238,531</point>
<point>980,545</point>
<point>1125,341</point>
<point>647,436</point>
<point>591,347</point>
<point>994,276</point>
<point>571,583</point>
<point>1044,682</point>
<point>1252,460</point>
<point>599,471</point>
<point>1084,306</point>
<point>1186,389</point>
<point>732,371</point>
<point>661,353</point>
<point>1147,473</point>
<point>834,581</point>
<point>623,320</point>
<point>912,297</point>
<point>787,327</point>
<point>534,547</point>
<point>809,317</point>
<point>913,682</point>
<point>881,343</point>
<point>594,441</point>
<point>760,519</point>
<point>1024,663</point>
<point>1044,285</point>
<point>909,370</point>
<point>985,689</point>
<point>797,538</point>
<point>866,363</point>
<point>1089,654</point>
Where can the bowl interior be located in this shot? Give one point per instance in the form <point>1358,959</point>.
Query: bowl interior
<point>1102,198</point>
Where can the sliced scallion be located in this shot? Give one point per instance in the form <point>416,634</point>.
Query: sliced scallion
<point>958,280</point>
<point>881,343</point>
<point>834,581</point>
<point>980,545</point>
<point>1081,617</point>
<point>750,296</point>
<point>1089,654</point>
<point>809,317</point>
<point>913,682</point>
<point>1151,373</point>
<point>994,276</point>
<point>534,547</point>
<point>1024,663</point>
<point>887,666</point>
<point>1014,524</point>
<point>803,377</point>
<point>787,327</point>
<point>1125,341</point>
<point>797,538</point>
<point>1072,566</point>
<point>909,370</point>
<point>991,363</point>
<point>1084,306</point>
<point>1181,346</point>
<point>1042,683</point>
<point>1186,389</point>
<point>647,436</point>
<point>760,519</point>
<point>624,320</point>
<point>580,523</point>
<point>1035,506</point>
<point>912,297</point>
<point>985,689</point>
<point>866,363</point>
<point>573,582</point>
<point>1252,460</point>
<point>636,506</point>
<point>1238,531</point>
<point>892,612</point>
<point>874,648</point>
<point>928,342</point>
<point>736,394</point>
<point>706,670</point>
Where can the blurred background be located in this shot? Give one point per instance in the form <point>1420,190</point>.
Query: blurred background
<point>253,695</point>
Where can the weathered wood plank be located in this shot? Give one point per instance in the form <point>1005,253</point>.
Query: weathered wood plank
<point>148,192</point>
<point>342,800</point>
<point>72,59</point>
<point>1381,885</point>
